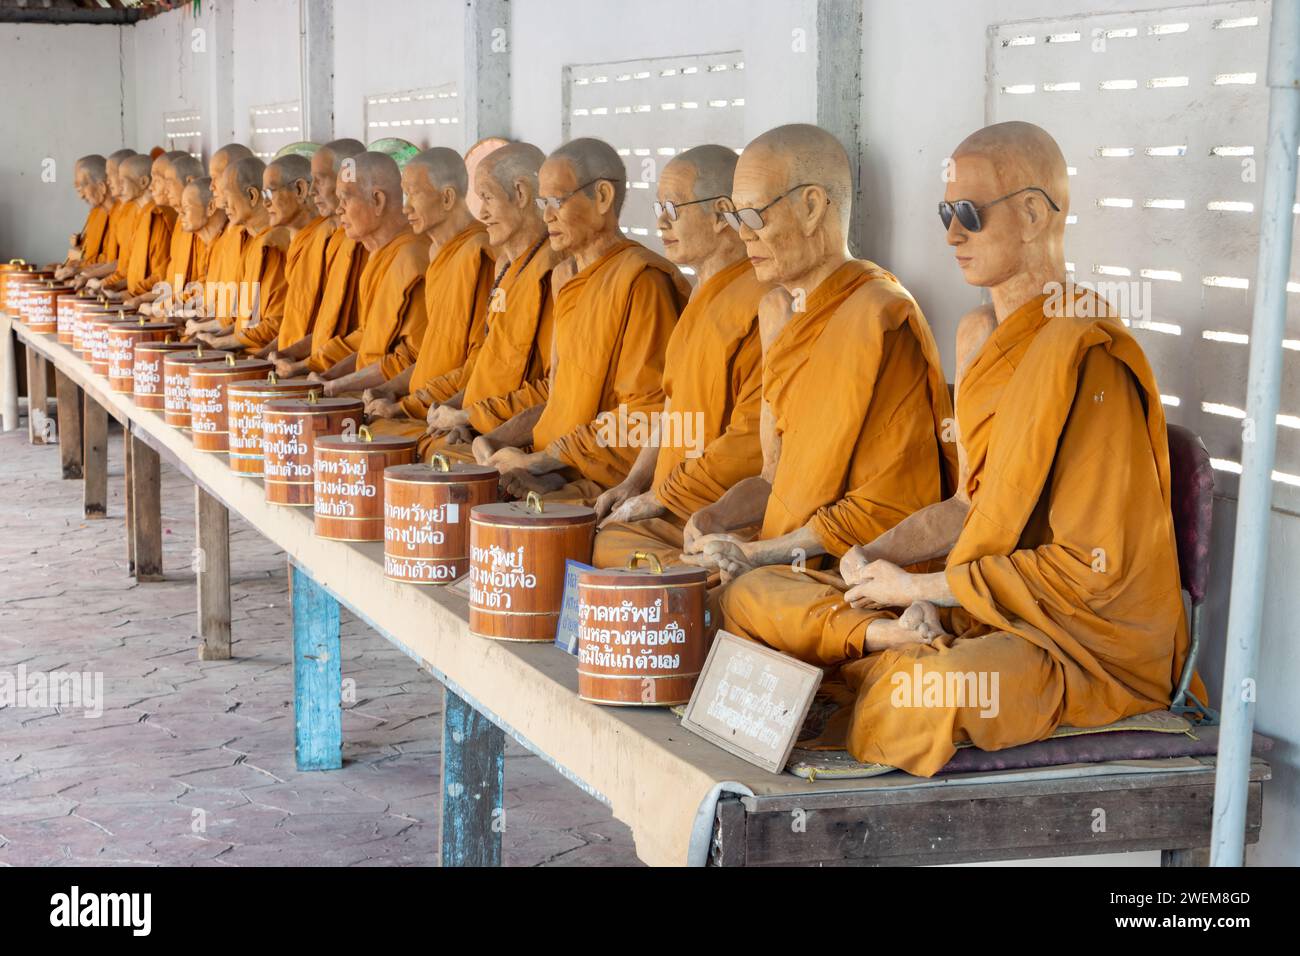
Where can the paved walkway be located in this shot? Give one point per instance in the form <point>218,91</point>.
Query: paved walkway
<point>191,762</point>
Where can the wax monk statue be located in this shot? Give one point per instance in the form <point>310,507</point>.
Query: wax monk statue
<point>142,265</point>
<point>225,258</point>
<point>708,438</point>
<point>457,287</point>
<point>321,343</point>
<point>261,281</point>
<point>1060,593</point>
<point>510,372</point>
<point>199,225</point>
<point>168,183</point>
<point>854,398</point>
<point>116,212</point>
<point>390,290</point>
<point>613,319</point>
<point>87,247</point>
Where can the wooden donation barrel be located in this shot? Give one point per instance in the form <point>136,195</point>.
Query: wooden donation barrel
<point>176,382</point>
<point>290,427</point>
<point>147,372</point>
<point>244,401</point>
<point>208,418</point>
<point>39,308</point>
<point>83,311</point>
<point>122,338</point>
<point>426,518</point>
<point>13,267</point>
<point>66,315</point>
<point>516,565</point>
<point>348,498</point>
<point>96,338</point>
<point>18,283</point>
<point>641,637</point>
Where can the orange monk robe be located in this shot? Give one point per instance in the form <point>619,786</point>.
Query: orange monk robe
<point>457,292</point>
<point>713,377</point>
<point>1066,568</point>
<point>514,364</point>
<point>339,312</point>
<point>221,280</point>
<point>150,249</point>
<point>612,324</point>
<point>391,296</point>
<point>94,236</point>
<point>120,220</point>
<point>304,271</point>
<point>262,288</point>
<point>134,217</point>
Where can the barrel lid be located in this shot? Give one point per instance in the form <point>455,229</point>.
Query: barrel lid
<point>195,357</point>
<point>291,386</point>
<point>643,570</point>
<point>304,406</point>
<point>365,439</point>
<point>530,513</point>
<point>239,365</point>
<point>145,326</point>
<point>430,473</point>
<point>164,346</point>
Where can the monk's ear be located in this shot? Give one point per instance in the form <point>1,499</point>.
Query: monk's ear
<point>520,194</point>
<point>1035,215</point>
<point>604,196</point>
<point>718,207</point>
<point>813,205</point>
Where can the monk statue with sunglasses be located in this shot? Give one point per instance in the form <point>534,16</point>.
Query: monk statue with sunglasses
<point>713,372</point>
<point>853,395</point>
<point>615,308</point>
<point>1060,588</point>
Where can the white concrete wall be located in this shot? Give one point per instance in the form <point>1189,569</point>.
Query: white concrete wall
<point>166,74</point>
<point>414,44</point>
<point>266,65</point>
<point>545,35</point>
<point>47,72</point>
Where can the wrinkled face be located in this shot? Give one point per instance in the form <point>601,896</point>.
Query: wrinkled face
<point>217,171</point>
<point>424,204</point>
<point>992,255</point>
<point>287,198</point>
<point>194,211</point>
<point>240,203</point>
<point>504,213</point>
<point>695,234</point>
<point>80,182</point>
<point>360,210</point>
<point>175,189</point>
<point>324,183</point>
<point>780,250</point>
<point>477,153</point>
<point>132,187</point>
<point>580,218</point>
<point>96,192</point>
<point>114,182</point>
<point>158,189</point>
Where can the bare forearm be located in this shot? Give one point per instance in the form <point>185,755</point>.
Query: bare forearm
<point>924,535</point>
<point>800,544</point>
<point>519,430</point>
<point>743,504</point>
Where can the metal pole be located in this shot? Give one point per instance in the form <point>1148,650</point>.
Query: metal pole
<point>1259,439</point>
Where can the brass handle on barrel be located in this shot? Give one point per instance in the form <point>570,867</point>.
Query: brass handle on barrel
<point>230,359</point>
<point>18,262</point>
<point>311,397</point>
<point>534,501</point>
<point>270,377</point>
<point>198,349</point>
<point>440,461</point>
<point>364,432</point>
<point>646,556</point>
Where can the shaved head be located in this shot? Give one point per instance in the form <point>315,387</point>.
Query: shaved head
<point>809,154</point>
<point>201,189</point>
<point>377,171</point>
<point>119,155</point>
<point>186,168</point>
<point>292,168</point>
<point>341,149</point>
<point>514,162</point>
<point>136,165</point>
<point>595,159</point>
<point>175,154</point>
<point>445,167</point>
<point>246,174</point>
<point>1021,154</point>
<point>95,167</point>
<point>715,168</point>
<point>231,153</point>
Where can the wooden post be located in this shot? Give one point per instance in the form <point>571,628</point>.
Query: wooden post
<point>40,427</point>
<point>317,675</point>
<point>68,395</point>
<point>8,377</point>
<point>473,785</point>
<point>145,481</point>
<point>128,521</point>
<point>212,572</point>
<point>95,458</point>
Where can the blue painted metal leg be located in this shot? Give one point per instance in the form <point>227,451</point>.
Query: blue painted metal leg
<point>473,785</point>
<point>317,675</point>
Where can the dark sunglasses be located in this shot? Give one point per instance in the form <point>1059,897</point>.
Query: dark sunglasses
<point>753,218</point>
<point>669,209</point>
<point>968,214</point>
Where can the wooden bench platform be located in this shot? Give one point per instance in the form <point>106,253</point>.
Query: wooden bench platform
<point>686,801</point>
